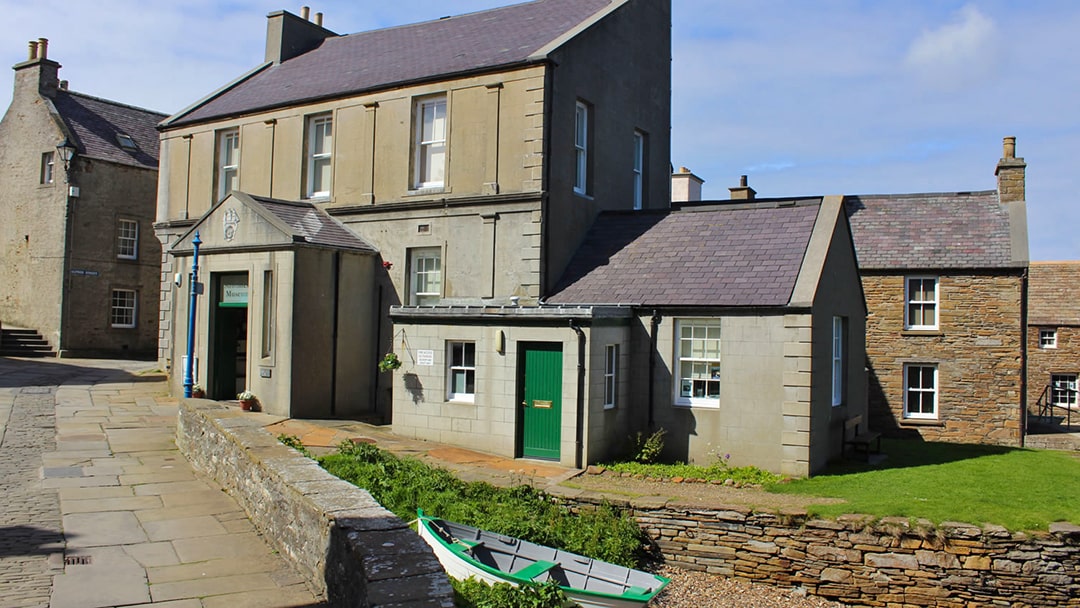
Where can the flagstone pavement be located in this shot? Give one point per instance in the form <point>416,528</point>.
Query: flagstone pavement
<point>98,508</point>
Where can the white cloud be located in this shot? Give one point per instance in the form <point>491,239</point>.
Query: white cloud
<point>957,54</point>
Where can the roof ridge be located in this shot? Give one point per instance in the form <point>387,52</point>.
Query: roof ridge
<point>113,102</point>
<point>436,20</point>
<point>923,194</point>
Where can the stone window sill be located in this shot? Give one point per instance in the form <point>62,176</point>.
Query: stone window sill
<point>921,422</point>
<point>922,332</point>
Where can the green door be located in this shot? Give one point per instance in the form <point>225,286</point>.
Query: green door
<point>228,357</point>
<point>541,389</point>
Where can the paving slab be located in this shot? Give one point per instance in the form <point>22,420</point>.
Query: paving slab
<point>111,578</point>
<point>103,529</point>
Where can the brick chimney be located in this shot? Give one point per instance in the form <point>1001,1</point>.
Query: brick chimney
<point>742,192</point>
<point>1010,174</point>
<point>289,36</point>
<point>38,75</point>
<point>685,186</point>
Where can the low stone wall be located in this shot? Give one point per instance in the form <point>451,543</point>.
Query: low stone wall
<point>351,549</point>
<point>862,562</point>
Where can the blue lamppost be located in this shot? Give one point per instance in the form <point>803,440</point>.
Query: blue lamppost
<point>193,287</point>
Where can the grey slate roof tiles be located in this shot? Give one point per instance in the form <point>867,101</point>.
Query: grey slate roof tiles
<point>930,231</point>
<point>95,124</point>
<point>313,225</point>
<point>380,58</point>
<point>722,256</point>
<point>1052,293</point>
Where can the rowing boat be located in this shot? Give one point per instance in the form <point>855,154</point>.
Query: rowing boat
<point>465,551</point>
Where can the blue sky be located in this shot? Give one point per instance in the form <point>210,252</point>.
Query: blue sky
<point>804,97</point>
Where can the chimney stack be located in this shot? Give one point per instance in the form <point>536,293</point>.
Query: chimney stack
<point>38,75</point>
<point>742,192</point>
<point>685,186</point>
<point>289,36</point>
<point>1010,174</point>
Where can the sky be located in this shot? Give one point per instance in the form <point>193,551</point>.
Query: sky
<point>805,97</point>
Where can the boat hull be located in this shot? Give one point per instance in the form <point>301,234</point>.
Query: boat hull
<point>467,552</point>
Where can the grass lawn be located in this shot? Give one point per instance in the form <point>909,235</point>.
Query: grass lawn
<point>1016,488</point>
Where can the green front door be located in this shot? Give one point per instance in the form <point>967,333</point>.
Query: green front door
<point>541,408</point>
<point>228,317</point>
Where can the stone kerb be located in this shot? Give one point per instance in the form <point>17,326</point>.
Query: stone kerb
<point>351,550</point>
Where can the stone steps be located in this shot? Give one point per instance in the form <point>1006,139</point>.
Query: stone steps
<point>24,343</point>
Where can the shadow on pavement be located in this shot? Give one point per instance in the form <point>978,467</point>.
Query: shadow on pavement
<point>16,372</point>
<point>29,540</point>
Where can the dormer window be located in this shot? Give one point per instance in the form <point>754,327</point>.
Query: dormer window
<point>126,142</point>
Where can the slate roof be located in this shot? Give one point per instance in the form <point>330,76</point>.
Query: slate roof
<point>1054,293</point>
<point>733,255</point>
<point>95,123</point>
<point>965,230</point>
<point>313,225</point>
<point>377,59</point>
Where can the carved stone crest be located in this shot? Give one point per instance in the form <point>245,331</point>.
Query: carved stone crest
<point>230,221</point>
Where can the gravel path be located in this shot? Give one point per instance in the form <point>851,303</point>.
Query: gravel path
<point>690,589</point>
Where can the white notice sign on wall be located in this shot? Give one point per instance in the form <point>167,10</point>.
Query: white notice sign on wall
<point>425,358</point>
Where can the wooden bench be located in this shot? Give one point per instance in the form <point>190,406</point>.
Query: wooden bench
<point>859,440</point>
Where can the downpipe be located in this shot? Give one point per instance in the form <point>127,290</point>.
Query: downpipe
<point>579,446</point>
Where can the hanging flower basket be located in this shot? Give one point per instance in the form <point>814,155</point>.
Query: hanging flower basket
<point>389,363</point>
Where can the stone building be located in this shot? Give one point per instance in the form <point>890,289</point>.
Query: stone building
<point>1053,341</point>
<point>78,261</point>
<point>467,157</point>
<point>945,276</point>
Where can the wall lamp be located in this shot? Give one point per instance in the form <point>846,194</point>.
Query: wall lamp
<point>67,150</point>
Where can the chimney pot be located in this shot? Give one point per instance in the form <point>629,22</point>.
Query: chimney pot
<point>318,19</point>
<point>33,50</point>
<point>742,181</point>
<point>305,12</point>
<point>63,85</point>
<point>43,47</point>
<point>1010,147</point>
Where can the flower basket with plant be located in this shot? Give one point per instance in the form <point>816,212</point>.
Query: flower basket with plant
<point>389,363</point>
<point>247,400</point>
<point>197,391</point>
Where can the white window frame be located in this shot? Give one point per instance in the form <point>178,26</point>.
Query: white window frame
<point>611,376</point>
<point>639,169</point>
<point>127,239</point>
<point>911,303</point>
<point>319,153</point>
<point>426,145</point>
<point>838,356</point>
<point>1063,390</point>
<point>228,162</point>
<point>425,279</point>
<point>920,390</point>
<point>455,366</point>
<point>581,147</point>
<point>269,314</point>
<point>693,389</point>
<point>1048,338</point>
<point>48,167</point>
<point>123,312</point>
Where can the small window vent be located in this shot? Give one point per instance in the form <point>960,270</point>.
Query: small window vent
<point>126,142</point>
<point>423,229</point>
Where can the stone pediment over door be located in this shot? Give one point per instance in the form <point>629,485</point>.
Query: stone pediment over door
<point>245,222</point>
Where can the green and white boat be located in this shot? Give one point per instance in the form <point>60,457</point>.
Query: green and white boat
<point>465,551</point>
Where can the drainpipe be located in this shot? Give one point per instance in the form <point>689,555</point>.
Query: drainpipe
<point>579,447</point>
<point>193,287</point>
<point>334,334</point>
<point>654,324</point>
<point>1023,356</point>
<point>377,349</point>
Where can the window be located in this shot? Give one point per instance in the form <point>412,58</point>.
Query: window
<point>430,162</point>
<point>1063,390</point>
<point>838,356</point>
<point>123,308</point>
<point>320,145</point>
<point>922,303</point>
<point>581,148</point>
<point>639,169</point>
<point>127,239</point>
<point>611,371</point>
<point>268,314</point>
<point>920,391</point>
<point>425,276</point>
<point>462,376</point>
<point>126,142</point>
<point>698,359</point>
<point>1047,338</point>
<point>228,165</point>
<point>48,167</point>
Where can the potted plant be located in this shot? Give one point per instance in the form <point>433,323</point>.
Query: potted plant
<point>389,363</point>
<point>197,391</point>
<point>247,400</point>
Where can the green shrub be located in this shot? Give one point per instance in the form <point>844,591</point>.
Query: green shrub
<point>294,442</point>
<point>404,484</point>
<point>647,450</point>
<point>718,471</point>
<point>472,593</point>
